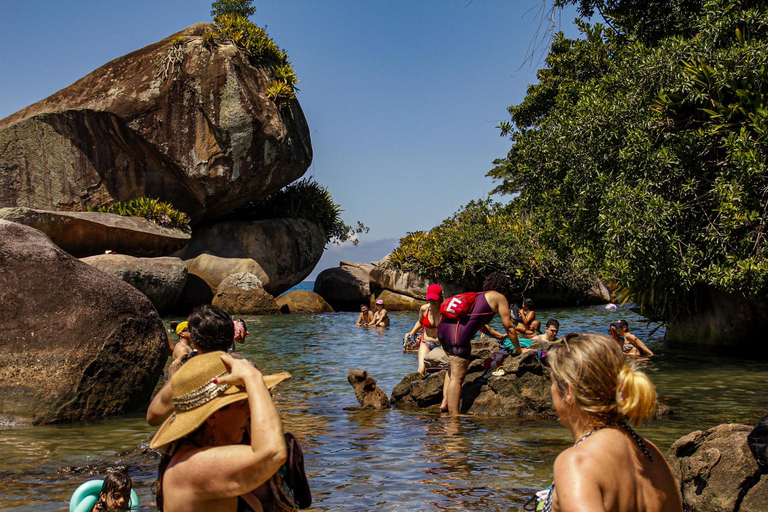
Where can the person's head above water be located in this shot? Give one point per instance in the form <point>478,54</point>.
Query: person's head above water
<point>211,329</point>
<point>363,308</point>
<point>528,303</point>
<point>380,302</point>
<point>241,330</point>
<point>498,282</point>
<point>434,292</point>
<point>622,324</point>
<point>115,492</point>
<point>590,373</point>
<point>552,325</point>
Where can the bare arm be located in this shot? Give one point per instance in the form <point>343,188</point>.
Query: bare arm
<point>418,325</point>
<point>360,320</point>
<point>500,305</point>
<point>576,487</point>
<point>487,329</point>
<point>635,341</point>
<point>527,317</point>
<point>219,472</point>
<point>161,406</point>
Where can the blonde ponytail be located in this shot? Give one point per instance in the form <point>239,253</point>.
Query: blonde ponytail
<point>635,396</point>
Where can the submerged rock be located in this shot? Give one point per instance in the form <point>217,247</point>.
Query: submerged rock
<point>366,390</point>
<point>179,121</point>
<point>75,344</point>
<point>160,279</point>
<point>716,471</point>
<point>84,234</point>
<point>302,301</point>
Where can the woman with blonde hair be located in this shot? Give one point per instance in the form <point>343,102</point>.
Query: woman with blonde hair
<point>610,467</point>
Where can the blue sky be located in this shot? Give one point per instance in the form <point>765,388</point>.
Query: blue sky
<point>402,97</point>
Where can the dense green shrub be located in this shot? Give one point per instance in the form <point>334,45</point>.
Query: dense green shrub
<point>485,237</point>
<point>304,199</point>
<point>242,8</point>
<point>154,210</point>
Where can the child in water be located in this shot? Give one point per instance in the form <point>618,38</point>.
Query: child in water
<point>115,493</point>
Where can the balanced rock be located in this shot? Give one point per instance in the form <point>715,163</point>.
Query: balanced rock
<point>76,343</point>
<point>396,302</point>
<point>281,252</point>
<point>346,286</point>
<point>302,301</point>
<point>716,471</point>
<point>242,294</point>
<point>84,234</point>
<point>185,122</point>
<point>160,279</point>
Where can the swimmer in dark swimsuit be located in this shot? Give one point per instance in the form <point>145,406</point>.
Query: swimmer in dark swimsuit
<point>456,335</point>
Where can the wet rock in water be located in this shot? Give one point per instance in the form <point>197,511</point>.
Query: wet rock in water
<point>160,279</point>
<point>76,344</point>
<point>184,123</point>
<point>84,234</point>
<point>522,391</point>
<point>281,252</point>
<point>302,301</point>
<point>366,390</point>
<point>717,471</point>
<point>346,286</point>
<point>242,294</point>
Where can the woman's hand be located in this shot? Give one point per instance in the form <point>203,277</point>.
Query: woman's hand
<point>239,371</point>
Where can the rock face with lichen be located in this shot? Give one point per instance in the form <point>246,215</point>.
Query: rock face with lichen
<point>175,120</point>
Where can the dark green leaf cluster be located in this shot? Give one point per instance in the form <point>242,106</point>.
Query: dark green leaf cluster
<point>485,237</point>
<point>650,160</point>
<point>304,199</point>
<point>154,210</point>
<point>242,8</point>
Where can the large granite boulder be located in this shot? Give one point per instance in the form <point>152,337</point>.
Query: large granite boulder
<point>302,301</point>
<point>176,120</point>
<point>394,301</point>
<point>242,294</point>
<point>84,234</point>
<point>722,319</point>
<point>717,471</point>
<point>160,279</point>
<point>75,343</point>
<point>410,284</point>
<point>522,391</point>
<point>281,252</point>
<point>346,286</point>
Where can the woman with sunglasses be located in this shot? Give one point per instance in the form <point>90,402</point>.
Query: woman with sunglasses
<point>610,467</point>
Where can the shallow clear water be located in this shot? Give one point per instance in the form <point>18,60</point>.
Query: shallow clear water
<point>392,459</point>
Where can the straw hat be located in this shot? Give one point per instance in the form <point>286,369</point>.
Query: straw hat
<point>196,396</point>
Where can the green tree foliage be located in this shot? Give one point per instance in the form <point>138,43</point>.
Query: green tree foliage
<point>650,160</point>
<point>304,199</point>
<point>154,210</point>
<point>485,237</point>
<point>242,8</point>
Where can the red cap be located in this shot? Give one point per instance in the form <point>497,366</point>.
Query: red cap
<point>434,291</point>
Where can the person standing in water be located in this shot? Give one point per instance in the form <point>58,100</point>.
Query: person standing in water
<point>429,318</point>
<point>365,317</point>
<point>381,316</point>
<point>597,396</point>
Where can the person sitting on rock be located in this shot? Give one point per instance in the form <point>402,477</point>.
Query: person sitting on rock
<point>365,317</point>
<point>210,329</point>
<point>550,331</point>
<point>381,316</point>
<point>527,323</point>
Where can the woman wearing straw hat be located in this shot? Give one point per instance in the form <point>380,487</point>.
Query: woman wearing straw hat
<point>216,397</point>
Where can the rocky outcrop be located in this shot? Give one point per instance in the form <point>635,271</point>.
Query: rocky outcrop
<point>281,252</point>
<point>84,234</point>
<point>522,391</point>
<point>174,120</point>
<point>160,279</point>
<point>346,286</point>
<point>302,301</point>
<point>722,319</point>
<point>366,391</point>
<point>242,294</point>
<point>396,302</point>
<point>76,343</point>
<point>717,471</point>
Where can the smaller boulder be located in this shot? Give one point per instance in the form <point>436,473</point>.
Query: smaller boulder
<point>346,286</point>
<point>367,393</point>
<point>394,301</point>
<point>302,301</point>
<point>242,294</point>
<point>160,279</point>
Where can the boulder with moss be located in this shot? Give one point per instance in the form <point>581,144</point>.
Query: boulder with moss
<point>187,122</point>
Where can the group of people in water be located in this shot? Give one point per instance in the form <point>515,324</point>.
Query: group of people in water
<point>222,439</point>
<point>378,318</point>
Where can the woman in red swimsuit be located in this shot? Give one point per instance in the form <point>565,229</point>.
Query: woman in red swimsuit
<point>429,318</point>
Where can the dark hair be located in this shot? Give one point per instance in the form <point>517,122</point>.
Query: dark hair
<point>242,322</point>
<point>622,323</point>
<point>174,324</point>
<point>116,482</point>
<point>554,322</point>
<point>211,329</point>
<point>498,282</point>
<point>528,302</point>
